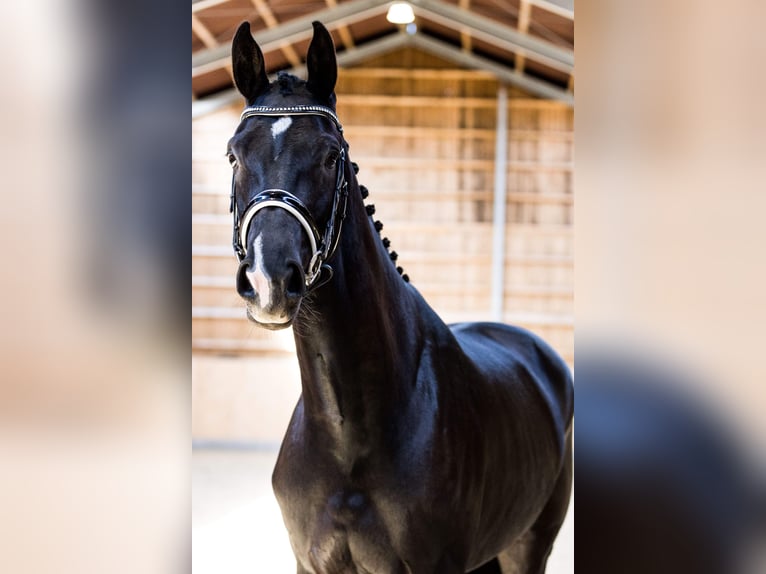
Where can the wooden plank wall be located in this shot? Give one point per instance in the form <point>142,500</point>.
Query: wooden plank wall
<point>423,135</point>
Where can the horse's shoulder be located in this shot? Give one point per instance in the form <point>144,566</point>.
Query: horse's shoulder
<point>500,332</point>
<point>516,354</point>
<point>484,341</point>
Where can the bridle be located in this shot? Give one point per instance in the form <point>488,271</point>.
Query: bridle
<point>323,246</point>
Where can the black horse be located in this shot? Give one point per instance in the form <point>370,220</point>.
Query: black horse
<point>415,447</point>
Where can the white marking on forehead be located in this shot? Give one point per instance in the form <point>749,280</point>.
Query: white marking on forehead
<point>260,281</point>
<point>280,126</point>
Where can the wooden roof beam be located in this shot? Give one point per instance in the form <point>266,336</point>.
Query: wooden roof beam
<point>199,5</point>
<point>465,33</point>
<point>497,34</point>
<point>532,85</point>
<point>343,31</point>
<point>290,32</point>
<point>525,11</point>
<point>396,41</point>
<point>483,28</point>
<point>561,8</point>
<point>268,17</point>
<point>203,33</point>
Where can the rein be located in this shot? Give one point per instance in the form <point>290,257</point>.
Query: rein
<point>323,246</point>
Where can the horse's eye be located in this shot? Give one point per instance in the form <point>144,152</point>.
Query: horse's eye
<point>331,160</point>
<point>232,159</point>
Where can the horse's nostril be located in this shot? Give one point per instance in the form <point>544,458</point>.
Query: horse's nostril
<point>294,280</point>
<point>244,287</point>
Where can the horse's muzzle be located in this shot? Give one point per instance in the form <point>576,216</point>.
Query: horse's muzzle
<point>272,299</point>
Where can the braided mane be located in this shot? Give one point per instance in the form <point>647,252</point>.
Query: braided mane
<point>370,208</point>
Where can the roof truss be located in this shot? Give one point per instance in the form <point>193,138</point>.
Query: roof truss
<point>339,15</point>
<point>289,32</point>
<point>396,41</point>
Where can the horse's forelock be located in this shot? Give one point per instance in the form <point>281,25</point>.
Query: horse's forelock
<point>288,83</point>
<point>288,86</point>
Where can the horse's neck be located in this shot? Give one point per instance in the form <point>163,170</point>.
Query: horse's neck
<point>356,344</point>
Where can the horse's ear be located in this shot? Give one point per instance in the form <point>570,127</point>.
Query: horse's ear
<point>321,64</point>
<point>247,63</point>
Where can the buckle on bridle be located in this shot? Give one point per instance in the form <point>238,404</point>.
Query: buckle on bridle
<point>315,268</point>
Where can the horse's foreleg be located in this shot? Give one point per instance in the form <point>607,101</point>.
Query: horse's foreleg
<point>529,554</point>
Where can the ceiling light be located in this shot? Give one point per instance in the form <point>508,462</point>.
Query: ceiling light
<point>400,13</point>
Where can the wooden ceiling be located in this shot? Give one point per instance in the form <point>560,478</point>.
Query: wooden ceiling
<point>525,43</point>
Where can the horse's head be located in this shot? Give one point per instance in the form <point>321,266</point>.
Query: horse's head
<point>288,190</point>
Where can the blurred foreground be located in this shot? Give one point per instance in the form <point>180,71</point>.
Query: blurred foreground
<point>670,297</point>
<point>664,484</point>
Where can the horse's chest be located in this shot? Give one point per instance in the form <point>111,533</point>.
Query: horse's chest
<point>343,531</point>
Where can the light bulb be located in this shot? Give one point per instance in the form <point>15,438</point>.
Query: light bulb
<point>400,13</point>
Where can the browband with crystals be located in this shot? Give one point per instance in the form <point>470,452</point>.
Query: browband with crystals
<point>291,111</point>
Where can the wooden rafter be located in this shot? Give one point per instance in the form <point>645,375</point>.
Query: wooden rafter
<point>396,41</point>
<point>343,31</point>
<point>199,5</point>
<point>465,33</point>
<point>203,33</point>
<point>525,12</point>
<point>292,31</point>
<point>532,85</point>
<point>339,15</point>
<point>264,11</point>
<point>560,9</point>
<point>497,33</point>
<point>481,27</point>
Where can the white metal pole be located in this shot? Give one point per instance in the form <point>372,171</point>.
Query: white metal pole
<point>498,222</point>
